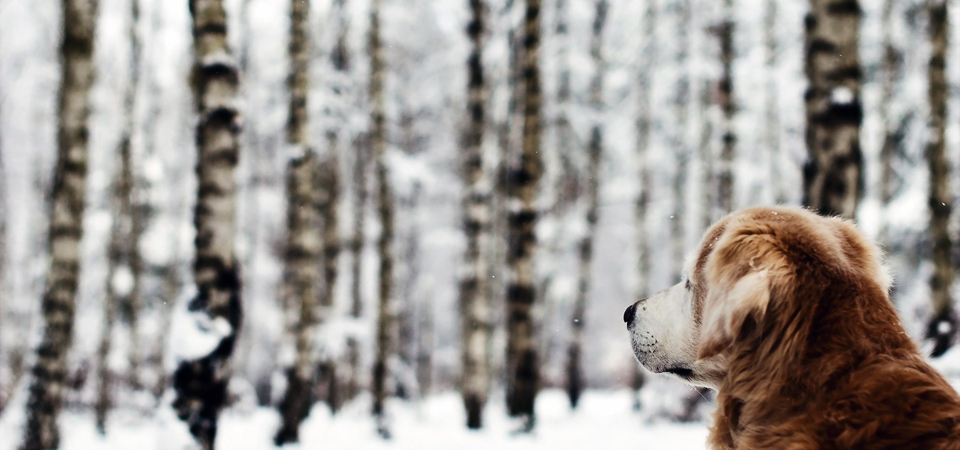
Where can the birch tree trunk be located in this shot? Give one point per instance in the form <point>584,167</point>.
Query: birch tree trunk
<point>567,183</point>
<point>891,65</point>
<point>330,181</point>
<point>643,129</point>
<point>833,173</point>
<point>407,386</point>
<point>302,275</point>
<point>304,239</point>
<point>250,188</point>
<point>680,148</point>
<point>707,158</point>
<point>425,343</point>
<point>892,120</point>
<point>201,384</point>
<point>122,278</point>
<point>507,144</point>
<point>575,381</point>
<point>6,350</point>
<point>123,255</point>
<point>561,188</point>
<point>171,289</point>
<point>133,303</point>
<point>378,138</point>
<point>725,177</point>
<point>772,104</point>
<point>505,149</point>
<point>328,190</point>
<point>341,381</point>
<point>942,328</point>
<point>66,225</point>
<point>522,359</point>
<point>341,61</point>
<point>476,321</point>
<point>357,244</point>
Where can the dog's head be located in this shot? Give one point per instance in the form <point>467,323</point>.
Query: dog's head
<point>749,275</point>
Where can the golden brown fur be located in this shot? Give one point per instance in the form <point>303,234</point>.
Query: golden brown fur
<point>818,359</point>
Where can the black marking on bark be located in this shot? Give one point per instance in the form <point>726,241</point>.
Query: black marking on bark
<point>844,7</point>
<point>521,295</point>
<point>211,28</point>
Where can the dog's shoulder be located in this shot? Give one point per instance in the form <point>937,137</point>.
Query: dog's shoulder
<point>893,402</point>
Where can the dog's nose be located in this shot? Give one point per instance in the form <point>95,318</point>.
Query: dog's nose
<point>629,313</point>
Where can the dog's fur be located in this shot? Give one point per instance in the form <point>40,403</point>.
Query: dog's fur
<point>785,313</point>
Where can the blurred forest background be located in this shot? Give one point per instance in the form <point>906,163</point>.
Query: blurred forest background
<point>296,206</point>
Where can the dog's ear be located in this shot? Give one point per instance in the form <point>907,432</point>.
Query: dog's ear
<point>733,311</point>
<point>743,272</point>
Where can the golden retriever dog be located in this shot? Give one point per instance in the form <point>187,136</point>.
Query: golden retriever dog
<point>786,315</point>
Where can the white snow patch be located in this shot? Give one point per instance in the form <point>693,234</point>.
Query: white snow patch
<point>122,281</point>
<point>841,95</point>
<point>194,335</point>
<point>153,169</point>
<point>949,365</point>
<point>943,327</point>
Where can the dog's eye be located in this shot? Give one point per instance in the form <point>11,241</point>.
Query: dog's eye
<point>689,285</point>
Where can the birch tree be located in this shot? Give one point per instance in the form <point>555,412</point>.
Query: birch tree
<point>5,349</point>
<point>679,139</point>
<point>328,191</point>
<point>523,378</point>
<point>200,384</point>
<point>122,278</point>
<point>506,145</point>
<point>644,119</point>
<point>251,187</point>
<point>832,175</point>
<point>409,276</point>
<point>725,176</point>
<point>890,75</point>
<point>942,327</point>
<point>357,245</point>
<point>302,274</point>
<point>378,140</point>
<point>361,167</point>
<point>575,381</point>
<point>771,107</point>
<point>123,251</point>
<point>66,225</point>
<point>425,345</point>
<point>561,187</point>
<point>895,120</point>
<point>304,239</point>
<point>477,322</point>
<point>706,153</point>
<point>330,188</point>
<point>568,183</point>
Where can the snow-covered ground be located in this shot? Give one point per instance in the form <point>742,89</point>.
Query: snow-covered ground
<point>605,419</point>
